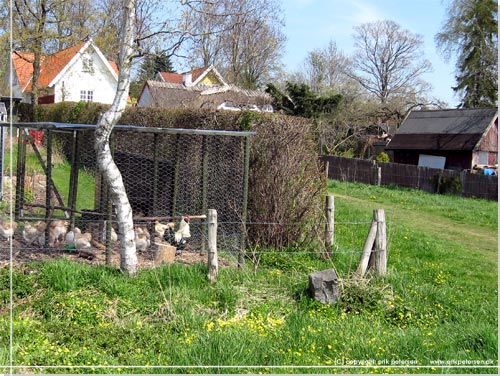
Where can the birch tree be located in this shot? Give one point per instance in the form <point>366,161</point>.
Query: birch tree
<point>105,125</point>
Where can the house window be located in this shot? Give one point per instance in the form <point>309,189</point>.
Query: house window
<point>483,157</point>
<point>87,95</point>
<point>87,64</point>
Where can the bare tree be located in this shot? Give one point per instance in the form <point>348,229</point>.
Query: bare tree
<point>325,69</point>
<point>105,162</point>
<point>242,37</point>
<point>389,60</point>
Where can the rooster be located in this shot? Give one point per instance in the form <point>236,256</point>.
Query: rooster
<point>7,229</point>
<point>180,237</point>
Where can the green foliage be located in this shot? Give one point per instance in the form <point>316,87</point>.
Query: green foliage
<point>150,66</point>
<point>383,157</point>
<point>299,100</point>
<point>437,301</point>
<point>154,63</point>
<point>447,184</point>
<point>472,32</point>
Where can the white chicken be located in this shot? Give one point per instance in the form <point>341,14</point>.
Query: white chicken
<point>82,241</point>
<point>57,231</point>
<point>7,229</point>
<point>160,229</point>
<point>142,239</point>
<point>30,233</point>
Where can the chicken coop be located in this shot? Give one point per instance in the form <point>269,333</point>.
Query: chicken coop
<point>168,173</point>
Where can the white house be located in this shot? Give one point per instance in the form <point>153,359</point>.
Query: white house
<point>201,88</point>
<point>78,73</point>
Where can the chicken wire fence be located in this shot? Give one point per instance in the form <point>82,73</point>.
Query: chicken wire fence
<point>168,174</point>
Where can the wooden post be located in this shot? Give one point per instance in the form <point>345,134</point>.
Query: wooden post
<point>329,225</point>
<point>379,176</point>
<point>213,265</point>
<point>378,260</point>
<point>367,250</point>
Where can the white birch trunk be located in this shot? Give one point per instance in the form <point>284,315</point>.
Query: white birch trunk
<point>105,162</point>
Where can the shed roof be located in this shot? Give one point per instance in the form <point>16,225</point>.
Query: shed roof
<point>170,95</point>
<point>454,129</point>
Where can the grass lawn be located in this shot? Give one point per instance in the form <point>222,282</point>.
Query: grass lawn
<point>438,302</point>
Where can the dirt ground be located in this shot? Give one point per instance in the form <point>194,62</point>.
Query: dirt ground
<point>146,259</point>
<point>21,253</point>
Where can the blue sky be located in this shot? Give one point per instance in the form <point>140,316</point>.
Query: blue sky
<point>311,24</point>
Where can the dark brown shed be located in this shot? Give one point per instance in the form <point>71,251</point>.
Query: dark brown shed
<point>465,137</point>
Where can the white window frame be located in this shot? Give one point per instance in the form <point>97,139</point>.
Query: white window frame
<point>87,64</point>
<point>87,95</point>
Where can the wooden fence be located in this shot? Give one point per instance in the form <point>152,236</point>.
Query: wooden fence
<point>427,179</point>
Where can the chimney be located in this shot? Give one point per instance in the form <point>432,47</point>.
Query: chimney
<point>187,79</point>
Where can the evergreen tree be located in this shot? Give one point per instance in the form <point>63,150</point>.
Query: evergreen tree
<point>471,32</point>
<point>300,100</point>
<point>154,63</point>
<point>151,65</point>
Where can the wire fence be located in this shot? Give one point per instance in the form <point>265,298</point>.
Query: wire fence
<point>169,175</point>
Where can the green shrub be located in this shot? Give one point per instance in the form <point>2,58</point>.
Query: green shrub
<point>383,157</point>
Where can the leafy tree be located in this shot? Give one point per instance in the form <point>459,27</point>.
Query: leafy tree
<point>471,32</point>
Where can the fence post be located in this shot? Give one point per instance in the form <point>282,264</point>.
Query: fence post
<point>367,250</point>
<point>329,225</point>
<point>379,175</point>
<point>378,260</point>
<point>213,265</point>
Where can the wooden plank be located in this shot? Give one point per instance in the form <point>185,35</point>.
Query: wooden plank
<point>213,264</point>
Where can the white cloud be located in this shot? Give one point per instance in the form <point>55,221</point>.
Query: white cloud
<point>364,12</point>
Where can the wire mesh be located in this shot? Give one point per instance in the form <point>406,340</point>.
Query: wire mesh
<point>168,174</point>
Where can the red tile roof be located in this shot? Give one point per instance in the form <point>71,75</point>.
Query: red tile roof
<point>176,78</point>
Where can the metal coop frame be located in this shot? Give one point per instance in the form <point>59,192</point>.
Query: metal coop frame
<point>167,172</point>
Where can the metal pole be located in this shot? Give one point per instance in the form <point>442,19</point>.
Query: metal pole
<point>48,185</point>
<point>73,184</point>
<point>20,172</point>
<point>204,189</point>
<point>246,174</point>
<point>2,157</point>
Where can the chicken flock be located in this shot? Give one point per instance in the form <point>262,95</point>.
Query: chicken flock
<point>60,234</point>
